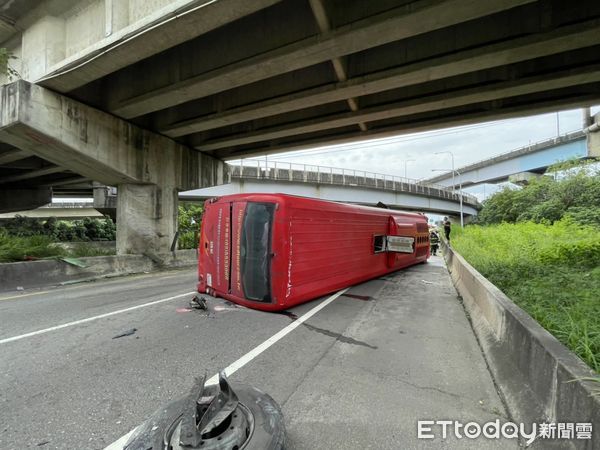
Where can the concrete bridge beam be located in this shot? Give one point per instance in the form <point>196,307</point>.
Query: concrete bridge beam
<point>148,168</point>
<point>12,200</point>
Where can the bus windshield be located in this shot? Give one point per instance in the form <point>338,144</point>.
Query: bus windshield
<point>255,251</point>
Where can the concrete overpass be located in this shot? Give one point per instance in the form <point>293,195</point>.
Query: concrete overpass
<point>342,185</point>
<point>521,164</point>
<point>153,96</point>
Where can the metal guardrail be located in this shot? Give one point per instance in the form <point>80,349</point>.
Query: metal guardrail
<point>307,173</point>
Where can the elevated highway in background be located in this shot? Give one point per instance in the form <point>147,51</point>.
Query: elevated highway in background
<point>153,97</point>
<point>63,210</point>
<point>523,163</point>
<point>337,184</point>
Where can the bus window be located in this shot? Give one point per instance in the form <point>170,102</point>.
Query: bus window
<point>255,251</point>
<point>378,244</point>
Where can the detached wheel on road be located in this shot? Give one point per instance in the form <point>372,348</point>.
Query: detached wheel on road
<point>214,417</point>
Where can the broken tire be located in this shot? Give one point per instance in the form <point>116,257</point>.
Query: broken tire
<point>256,424</point>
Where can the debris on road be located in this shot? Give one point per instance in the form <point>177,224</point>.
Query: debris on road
<point>214,417</point>
<point>74,262</point>
<point>20,288</point>
<point>183,310</point>
<point>198,303</point>
<point>125,333</point>
<point>358,297</point>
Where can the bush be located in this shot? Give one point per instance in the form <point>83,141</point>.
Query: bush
<point>87,229</point>
<point>22,248</point>
<point>190,217</point>
<point>576,194</point>
<point>551,271</point>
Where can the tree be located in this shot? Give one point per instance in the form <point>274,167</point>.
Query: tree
<point>190,216</point>
<point>574,191</point>
<point>5,68</point>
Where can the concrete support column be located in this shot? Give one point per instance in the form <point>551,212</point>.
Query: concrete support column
<point>593,138</point>
<point>146,218</point>
<point>147,168</point>
<point>105,200</point>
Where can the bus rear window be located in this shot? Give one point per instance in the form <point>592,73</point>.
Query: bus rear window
<point>255,251</point>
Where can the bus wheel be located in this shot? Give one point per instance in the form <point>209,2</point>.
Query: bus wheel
<point>214,417</point>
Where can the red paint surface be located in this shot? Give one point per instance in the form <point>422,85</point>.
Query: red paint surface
<point>318,247</point>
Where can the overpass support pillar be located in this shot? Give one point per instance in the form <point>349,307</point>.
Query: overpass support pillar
<point>146,218</point>
<point>593,140</point>
<point>148,169</point>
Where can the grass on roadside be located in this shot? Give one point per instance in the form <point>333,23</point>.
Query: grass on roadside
<point>14,249</point>
<point>551,271</point>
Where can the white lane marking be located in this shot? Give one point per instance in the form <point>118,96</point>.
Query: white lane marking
<point>89,319</point>
<point>235,366</point>
<point>119,444</point>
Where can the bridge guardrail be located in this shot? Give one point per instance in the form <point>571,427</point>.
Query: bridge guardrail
<point>539,145</point>
<point>307,173</point>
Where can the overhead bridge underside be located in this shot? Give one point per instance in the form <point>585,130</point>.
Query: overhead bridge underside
<point>155,95</point>
<point>341,185</point>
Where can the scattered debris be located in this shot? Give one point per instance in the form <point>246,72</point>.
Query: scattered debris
<point>198,303</point>
<point>340,337</point>
<point>223,308</point>
<point>358,297</point>
<point>290,314</point>
<point>183,310</point>
<point>125,333</point>
<point>20,288</point>
<point>39,444</point>
<point>73,261</point>
<point>427,282</point>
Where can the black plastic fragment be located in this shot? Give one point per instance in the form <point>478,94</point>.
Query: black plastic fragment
<point>125,333</point>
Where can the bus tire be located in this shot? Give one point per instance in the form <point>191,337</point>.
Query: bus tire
<point>268,431</point>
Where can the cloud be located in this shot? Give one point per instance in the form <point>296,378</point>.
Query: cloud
<point>468,144</point>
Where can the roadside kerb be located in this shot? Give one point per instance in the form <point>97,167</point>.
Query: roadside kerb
<point>36,274</point>
<point>540,379</point>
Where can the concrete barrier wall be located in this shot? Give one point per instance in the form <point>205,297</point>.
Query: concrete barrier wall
<point>35,274</point>
<point>541,380</point>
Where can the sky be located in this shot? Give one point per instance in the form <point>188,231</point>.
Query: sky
<point>468,144</point>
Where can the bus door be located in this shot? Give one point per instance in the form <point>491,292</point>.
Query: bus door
<point>251,250</point>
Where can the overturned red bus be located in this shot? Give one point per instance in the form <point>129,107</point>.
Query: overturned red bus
<point>274,251</point>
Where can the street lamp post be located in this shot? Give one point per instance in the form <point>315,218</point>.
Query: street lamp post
<point>405,163</point>
<point>452,155</point>
<point>460,194</point>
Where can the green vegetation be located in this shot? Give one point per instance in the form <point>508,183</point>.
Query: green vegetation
<point>25,238</point>
<point>26,248</point>
<point>541,246</point>
<point>5,68</point>
<point>65,231</point>
<point>190,215</point>
<point>576,194</point>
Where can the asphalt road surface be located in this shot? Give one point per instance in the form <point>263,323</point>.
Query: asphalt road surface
<point>359,373</point>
